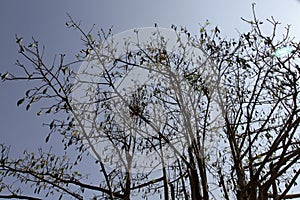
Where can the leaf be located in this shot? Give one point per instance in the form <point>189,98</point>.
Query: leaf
<point>27,93</point>
<point>33,99</point>
<point>47,138</point>
<point>51,125</point>
<point>19,40</point>
<point>90,37</point>
<point>64,70</point>
<point>49,111</point>
<point>31,45</point>
<point>70,125</point>
<point>28,106</point>
<point>4,76</point>
<point>87,52</point>
<point>45,90</point>
<point>20,101</point>
<point>22,48</point>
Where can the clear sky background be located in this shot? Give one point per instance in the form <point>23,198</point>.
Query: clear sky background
<point>45,20</point>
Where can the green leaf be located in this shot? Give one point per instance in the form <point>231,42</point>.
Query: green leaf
<point>283,51</point>
<point>87,52</point>
<point>90,37</point>
<point>20,101</point>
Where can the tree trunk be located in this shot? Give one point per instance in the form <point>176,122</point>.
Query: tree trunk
<point>194,179</point>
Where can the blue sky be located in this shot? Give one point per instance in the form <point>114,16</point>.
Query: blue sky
<point>45,20</point>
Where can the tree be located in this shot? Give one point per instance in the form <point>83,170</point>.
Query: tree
<point>219,124</point>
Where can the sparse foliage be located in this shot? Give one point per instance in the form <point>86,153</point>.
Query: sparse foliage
<point>219,125</point>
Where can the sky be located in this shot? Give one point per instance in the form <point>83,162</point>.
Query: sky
<point>45,21</point>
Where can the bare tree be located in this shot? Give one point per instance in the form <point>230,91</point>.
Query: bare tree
<point>219,124</point>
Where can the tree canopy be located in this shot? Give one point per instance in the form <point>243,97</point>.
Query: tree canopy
<point>205,118</point>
